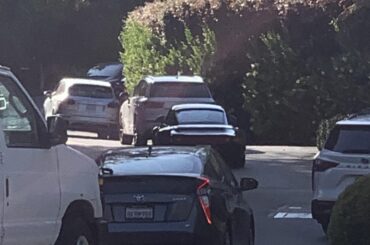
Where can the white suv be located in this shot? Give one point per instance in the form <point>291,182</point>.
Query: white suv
<point>153,97</point>
<point>49,193</point>
<point>345,157</point>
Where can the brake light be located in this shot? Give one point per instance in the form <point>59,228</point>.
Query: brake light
<point>202,191</point>
<point>321,165</point>
<point>113,104</point>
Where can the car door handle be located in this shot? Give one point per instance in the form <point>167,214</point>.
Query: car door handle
<point>7,187</point>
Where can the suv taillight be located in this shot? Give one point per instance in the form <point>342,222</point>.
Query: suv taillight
<point>321,165</point>
<point>202,191</point>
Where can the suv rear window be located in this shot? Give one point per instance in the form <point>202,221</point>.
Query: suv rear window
<point>180,90</point>
<point>91,91</point>
<point>349,139</point>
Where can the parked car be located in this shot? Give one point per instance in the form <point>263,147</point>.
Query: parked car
<point>202,124</point>
<point>49,192</point>
<point>175,195</point>
<point>87,105</point>
<point>153,97</point>
<point>345,157</point>
<point>110,72</point>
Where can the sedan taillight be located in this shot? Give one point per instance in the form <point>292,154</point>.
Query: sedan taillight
<point>202,191</point>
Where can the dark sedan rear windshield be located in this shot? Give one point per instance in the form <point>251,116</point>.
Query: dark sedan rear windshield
<point>91,91</point>
<point>180,90</point>
<point>349,139</point>
<point>201,117</point>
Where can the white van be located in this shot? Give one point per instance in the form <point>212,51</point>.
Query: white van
<point>49,192</point>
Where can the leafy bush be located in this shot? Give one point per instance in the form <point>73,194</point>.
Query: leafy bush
<point>282,66</point>
<point>149,53</point>
<point>350,220</point>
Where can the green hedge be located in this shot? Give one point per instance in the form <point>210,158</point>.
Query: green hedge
<point>350,220</point>
<point>281,66</point>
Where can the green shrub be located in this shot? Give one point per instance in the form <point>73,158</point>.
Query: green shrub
<point>350,220</point>
<point>146,52</point>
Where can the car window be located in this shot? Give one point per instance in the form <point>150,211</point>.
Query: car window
<point>201,117</point>
<point>171,118</point>
<point>180,90</point>
<point>349,139</point>
<point>19,121</point>
<point>91,91</point>
<point>140,89</point>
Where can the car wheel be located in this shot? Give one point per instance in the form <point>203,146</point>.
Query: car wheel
<point>227,238</point>
<point>139,140</point>
<point>125,139</point>
<point>324,227</point>
<point>102,135</point>
<point>240,162</point>
<point>251,236</point>
<point>75,231</point>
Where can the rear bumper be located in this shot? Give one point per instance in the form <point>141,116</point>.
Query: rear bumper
<point>89,123</point>
<point>321,210</point>
<point>164,233</point>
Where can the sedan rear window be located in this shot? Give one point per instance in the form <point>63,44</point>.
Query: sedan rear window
<point>180,90</point>
<point>201,117</point>
<point>349,139</point>
<point>91,91</point>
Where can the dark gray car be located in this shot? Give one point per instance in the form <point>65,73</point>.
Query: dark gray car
<point>173,195</point>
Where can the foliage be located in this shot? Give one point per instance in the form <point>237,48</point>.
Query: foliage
<point>148,53</point>
<point>350,219</point>
<point>59,37</point>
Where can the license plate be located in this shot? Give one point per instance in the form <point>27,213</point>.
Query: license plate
<point>91,107</point>
<point>139,213</point>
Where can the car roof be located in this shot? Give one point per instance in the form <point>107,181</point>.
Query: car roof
<point>84,81</point>
<point>195,106</point>
<point>167,160</point>
<point>187,79</point>
<point>361,120</point>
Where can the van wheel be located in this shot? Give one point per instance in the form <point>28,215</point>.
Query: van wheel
<point>125,139</point>
<point>75,231</point>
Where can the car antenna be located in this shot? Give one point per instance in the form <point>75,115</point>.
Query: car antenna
<point>150,148</point>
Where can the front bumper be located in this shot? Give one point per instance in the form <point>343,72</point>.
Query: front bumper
<point>321,210</point>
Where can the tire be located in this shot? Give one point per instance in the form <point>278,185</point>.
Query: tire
<point>324,227</point>
<point>102,135</point>
<point>251,237</point>
<point>125,139</point>
<point>240,162</point>
<point>75,231</point>
<point>139,140</point>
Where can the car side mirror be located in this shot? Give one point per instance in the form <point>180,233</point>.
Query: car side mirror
<point>247,184</point>
<point>48,93</point>
<point>57,129</point>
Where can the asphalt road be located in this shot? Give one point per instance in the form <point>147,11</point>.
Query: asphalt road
<point>281,203</point>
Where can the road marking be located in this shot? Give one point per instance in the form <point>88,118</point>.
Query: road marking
<point>286,215</point>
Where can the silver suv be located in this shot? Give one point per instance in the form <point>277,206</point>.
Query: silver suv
<point>345,157</point>
<point>87,105</point>
<point>153,97</point>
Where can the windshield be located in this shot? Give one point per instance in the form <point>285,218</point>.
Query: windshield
<point>349,139</point>
<point>91,91</point>
<point>180,90</point>
<point>105,70</point>
<point>201,117</point>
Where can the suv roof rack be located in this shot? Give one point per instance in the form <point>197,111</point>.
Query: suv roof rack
<point>4,68</point>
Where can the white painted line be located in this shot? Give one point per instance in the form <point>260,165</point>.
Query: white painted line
<point>282,215</point>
